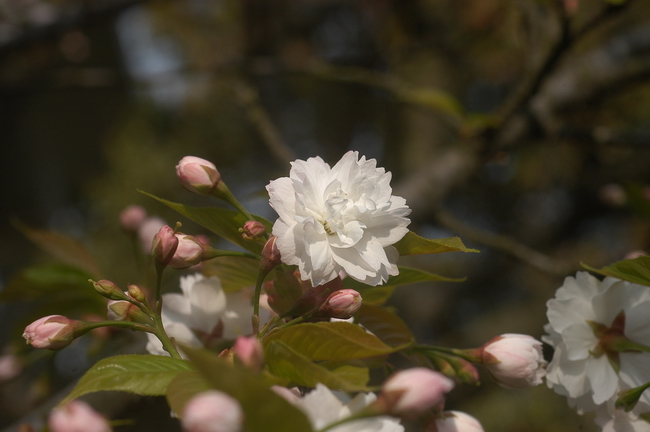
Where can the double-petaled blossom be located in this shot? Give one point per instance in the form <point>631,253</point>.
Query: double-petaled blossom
<point>212,411</point>
<point>596,328</point>
<point>77,416</point>
<point>339,218</point>
<point>324,408</point>
<point>203,313</point>
<point>411,392</point>
<point>515,361</point>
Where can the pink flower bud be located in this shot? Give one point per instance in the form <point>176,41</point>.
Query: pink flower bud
<point>212,411</point>
<point>252,230</point>
<point>51,332</point>
<point>270,255</point>
<point>515,361</point>
<point>77,416</point>
<point>249,351</point>
<point>455,421</point>
<point>411,392</point>
<point>148,230</point>
<point>10,367</point>
<point>108,289</point>
<point>188,253</point>
<point>131,218</point>
<point>164,245</point>
<point>341,304</point>
<point>197,175</point>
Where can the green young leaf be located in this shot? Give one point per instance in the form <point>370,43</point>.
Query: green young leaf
<point>300,370</point>
<point>234,273</point>
<point>413,244</point>
<point>223,222</point>
<point>264,410</point>
<point>636,270</point>
<point>63,248</point>
<point>378,295</point>
<point>330,341</point>
<point>385,325</point>
<point>147,375</point>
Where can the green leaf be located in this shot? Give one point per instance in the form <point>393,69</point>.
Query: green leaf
<point>636,270</point>
<point>264,410</point>
<point>300,370</point>
<point>63,248</point>
<point>413,244</point>
<point>385,325</point>
<point>42,280</point>
<point>378,295</point>
<point>147,375</point>
<point>330,341</point>
<point>223,222</point>
<point>432,98</point>
<point>234,273</point>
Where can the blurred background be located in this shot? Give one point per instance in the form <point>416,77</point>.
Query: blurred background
<point>523,126</point>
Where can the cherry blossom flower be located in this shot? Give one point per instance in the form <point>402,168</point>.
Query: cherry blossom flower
<point>323,407</point>
<point>584,317</point>
<point>203,313</point>
<point>611,419</point>
<point>338,218</point>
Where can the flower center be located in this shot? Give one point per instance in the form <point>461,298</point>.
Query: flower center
<point>327,227</point>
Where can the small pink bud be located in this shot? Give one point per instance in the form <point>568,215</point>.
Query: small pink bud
<point>77,416</point>
<point>212,411</point>
<point>270,255</point>
<point>164,245</point>
<point>455,421</point>
<point>252,230</point>
<point>515,361</point>
<point>249,351</point>
<point>10,367</point>
<point>136,293</point>
<point>197,175</point>
<point>131,218</point>
<point>341,304</point>
<point>51,332</point>
<point>108,289</point>
<point>411,392</point>
<point>188,253</point>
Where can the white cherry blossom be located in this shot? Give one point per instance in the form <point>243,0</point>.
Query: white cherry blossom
<point>577,370</point>
<point>339,218</point>
<point>323,408</point>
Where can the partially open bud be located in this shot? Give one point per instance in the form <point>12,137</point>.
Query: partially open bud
<point>108,289</point>
<point>131,218</point>
<point>341,304</point>
<point>253,230</point>
<point>164,245</point>
<point>515,361</point>
<point>77,416</point>
<point>213,411</point>
<point>197,175</point>
<point>249,351</point>
<point>411,392</point>
<point>51,332</point>
<point>188,253</point>
<point>455,421</point>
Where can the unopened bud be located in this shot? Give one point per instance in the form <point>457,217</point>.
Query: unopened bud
<point>131,218</point>
<point>164,245</point>
<point>126,311</point>
<point>108,289</point>
<point>136,293</point>
<point>515,361</point>
<point>188,253</point>
<point>411,392</point>
<point>341,304</point>
<point>77,416</point>
<point>51,332</point>
<point>249,351</point>
<point>213,411</point>
<point>253,230</point>
<point>455,421</point>
<point>197,175</point>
